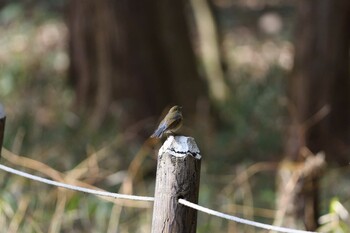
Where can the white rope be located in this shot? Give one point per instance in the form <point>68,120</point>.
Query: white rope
<point>240,220</point>
<point>143,198</point>
<point>76,188</point>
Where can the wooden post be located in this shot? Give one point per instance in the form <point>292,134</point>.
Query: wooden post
<point>2,126</point>
<point>178,173</point>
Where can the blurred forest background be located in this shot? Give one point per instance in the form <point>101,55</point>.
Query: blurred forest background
<point>264,86</point>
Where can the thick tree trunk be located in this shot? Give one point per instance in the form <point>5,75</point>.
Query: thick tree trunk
<point>319,92</point>
<point>320,79</point>
<point>134,55</point>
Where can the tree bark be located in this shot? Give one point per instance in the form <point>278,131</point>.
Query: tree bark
<point>2,126</point>
<point>178,175</point>
<point>320,78</point>
<point>319,94</point>
<point>133,56</point>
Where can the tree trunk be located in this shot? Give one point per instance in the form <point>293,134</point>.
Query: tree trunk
<point>319,91</point>
<point>320,79</point>
<point>131,56</point>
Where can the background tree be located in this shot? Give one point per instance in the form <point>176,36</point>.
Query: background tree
<point>319,94</point>
<point>133,56</point>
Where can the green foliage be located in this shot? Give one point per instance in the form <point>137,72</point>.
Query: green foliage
<point>337,220</point>
<point>254,119</point>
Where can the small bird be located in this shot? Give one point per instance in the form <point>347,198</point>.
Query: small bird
<point>171,123</point>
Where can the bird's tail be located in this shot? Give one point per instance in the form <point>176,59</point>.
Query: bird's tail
<point>157,134</point>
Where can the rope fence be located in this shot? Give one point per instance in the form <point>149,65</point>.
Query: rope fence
<point>151,199</point>
<point>240,220</point>
<point>75,188</point>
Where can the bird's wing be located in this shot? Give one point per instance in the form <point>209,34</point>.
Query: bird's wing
<point>175,122</point>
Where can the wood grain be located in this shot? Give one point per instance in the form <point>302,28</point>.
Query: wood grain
<point>177,177</point>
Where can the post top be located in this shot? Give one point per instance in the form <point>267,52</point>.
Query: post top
<point>2,112</point>
<point>180,146</point>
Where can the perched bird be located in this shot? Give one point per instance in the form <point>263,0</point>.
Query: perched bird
<point>171,123</point>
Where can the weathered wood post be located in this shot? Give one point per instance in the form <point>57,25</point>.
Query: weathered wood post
<point>2,126</point>
<point>178,174</point>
